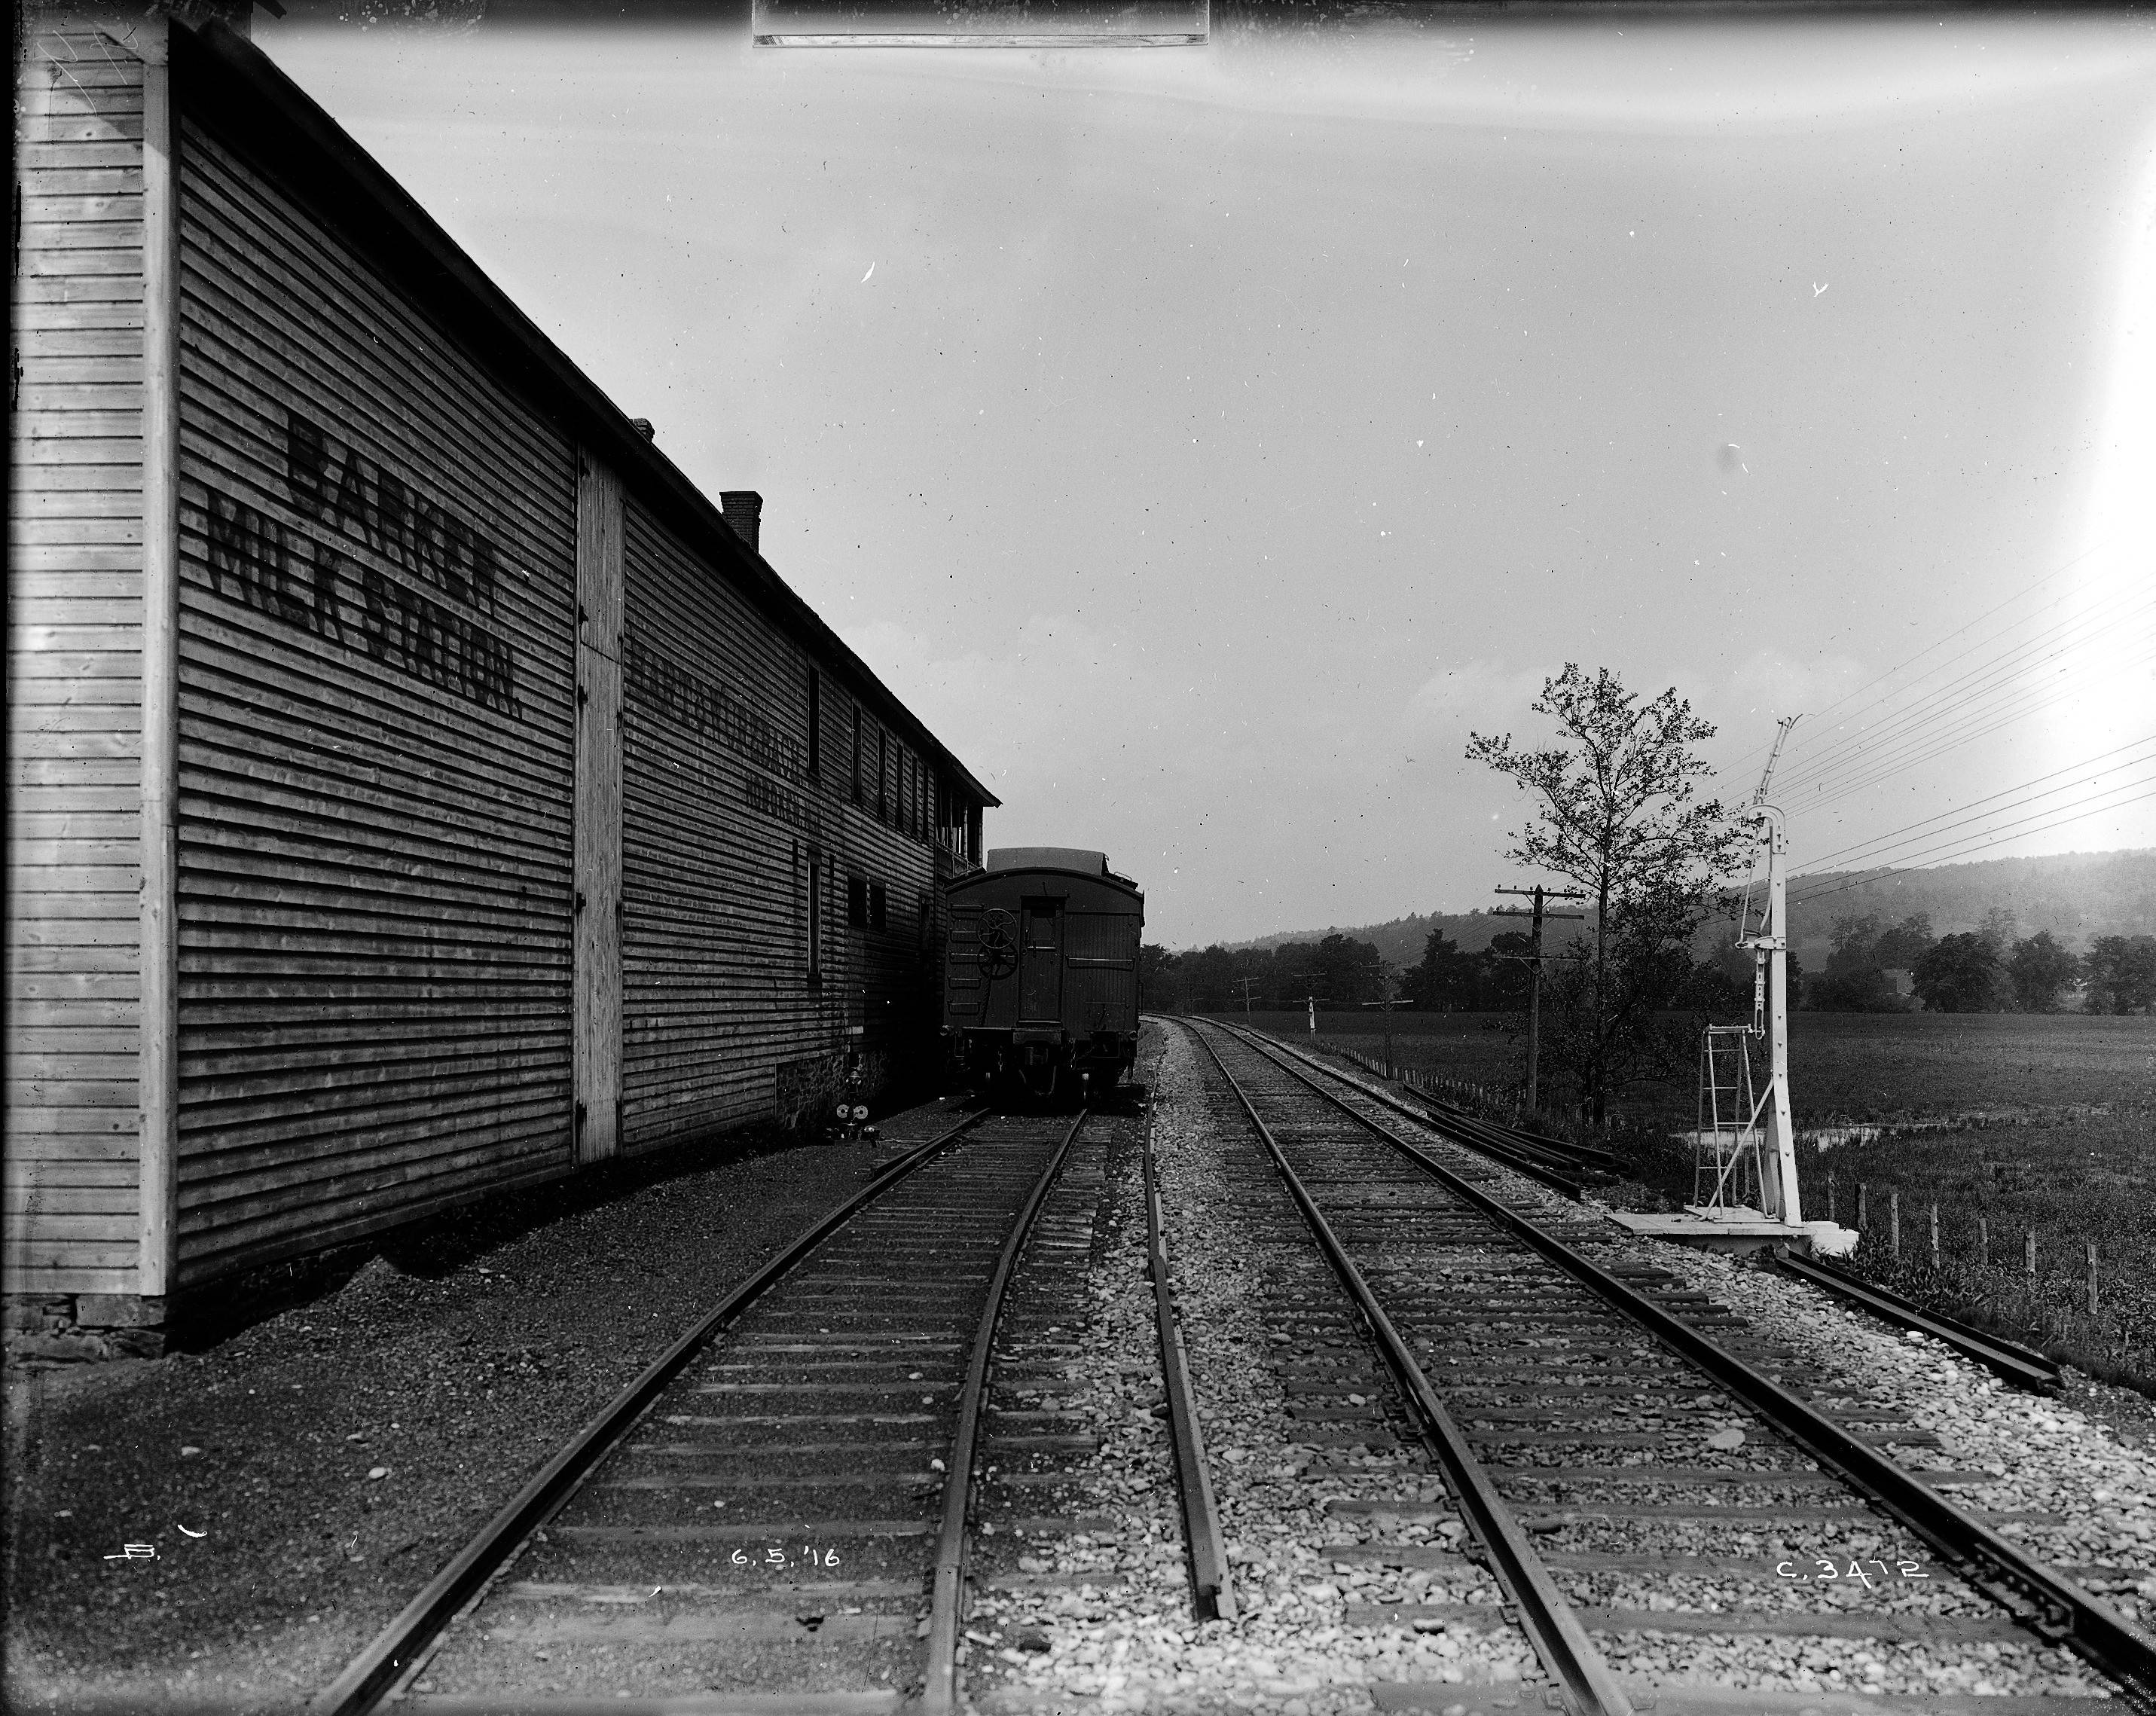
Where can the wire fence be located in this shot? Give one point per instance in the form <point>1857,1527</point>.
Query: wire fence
<point>2059,1272</point>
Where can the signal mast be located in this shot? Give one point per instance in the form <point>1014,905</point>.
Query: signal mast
<point>1770,1000</point>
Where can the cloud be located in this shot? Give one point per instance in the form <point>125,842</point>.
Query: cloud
<point>1768,684</point>
<point>1470,695</point>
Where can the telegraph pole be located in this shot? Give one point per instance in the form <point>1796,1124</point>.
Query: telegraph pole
<point>1312,999</point>
<point>1540,895</point>
<point>1386,972</point>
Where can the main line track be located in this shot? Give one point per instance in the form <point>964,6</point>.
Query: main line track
<point>1611,1443</point>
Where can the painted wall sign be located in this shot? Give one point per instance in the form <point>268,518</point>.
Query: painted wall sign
<point>336,485</point>
<point>256,561</point>
<point>788,808</point>
<point>689,700</point>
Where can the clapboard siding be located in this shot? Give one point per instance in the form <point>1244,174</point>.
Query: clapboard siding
<point>74,590</point>
<point>374,824</point>
<point>714,993</point>
<point>718,846</point>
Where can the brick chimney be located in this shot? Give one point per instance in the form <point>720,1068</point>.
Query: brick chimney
<point>744,511</point>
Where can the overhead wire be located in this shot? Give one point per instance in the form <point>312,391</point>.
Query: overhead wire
<point>1897,836</point>
<point>1941,702</point>
<point>1874,851</point>
<point>2059,571</point>
<point>2032,701</point>
<point>1961,845</point>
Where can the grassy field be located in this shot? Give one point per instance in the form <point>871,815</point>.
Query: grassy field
<point>2067,1183</point>
<point>2033,1125</point>
<point>1876,1067</point>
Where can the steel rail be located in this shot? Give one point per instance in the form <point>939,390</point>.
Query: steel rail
<point>1501,1141</point>
<point>1448,1113</point>
<point>939,1694</point>
<point>2013,1361</point>
<point>2054,1607</point>
<point>1210,1579</point>
<point>1564,1149</point>
<point>1552,1628</point>
<point>395,1650</point>
<point>1511,1156</point>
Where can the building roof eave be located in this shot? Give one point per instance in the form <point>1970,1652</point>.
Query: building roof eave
<point>289,137</point>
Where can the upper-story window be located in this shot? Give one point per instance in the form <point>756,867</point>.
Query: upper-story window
<point>857,753</point>
<point>815,724</point>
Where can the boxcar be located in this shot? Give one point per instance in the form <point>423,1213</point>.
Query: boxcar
<point>1041,971</point>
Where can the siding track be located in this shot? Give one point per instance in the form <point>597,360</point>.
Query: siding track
<point>776,1515</point>
<point>1553,1371</point>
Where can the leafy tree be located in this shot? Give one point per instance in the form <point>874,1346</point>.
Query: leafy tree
<point>1859,955</point>
<point>2037,969</point>
<point>1445,979</point>
<point>1849,945</point>
<point>1347,971</point>
<point>1157,970</point>
<point>1961,974</point>
<point>1905,945</point>
<point>1617,815</point>
<point>1207,979</point>
<point>1715,987</point>
<point>2121,973</point>
<point>1502,975</point>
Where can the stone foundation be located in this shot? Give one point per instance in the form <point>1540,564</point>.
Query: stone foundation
<point>72,1329</point>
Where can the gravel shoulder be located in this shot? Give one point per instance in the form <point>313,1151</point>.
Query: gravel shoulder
<point>2064,1457</point>
<point>301,1479</point>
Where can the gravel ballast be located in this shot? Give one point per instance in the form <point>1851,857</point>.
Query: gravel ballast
<point>1311,1637</point>
<point>1127,1639</point>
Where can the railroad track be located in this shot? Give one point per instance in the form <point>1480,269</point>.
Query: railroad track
<point>784,1507</point>
<point>1630,1476</point>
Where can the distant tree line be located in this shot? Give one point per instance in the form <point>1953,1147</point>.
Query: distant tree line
<point>1990,970</point>
<point>1338,972</point>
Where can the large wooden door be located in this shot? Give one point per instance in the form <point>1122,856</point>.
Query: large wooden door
<point>1041,963</point>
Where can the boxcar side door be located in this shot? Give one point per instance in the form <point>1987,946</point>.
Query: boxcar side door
<point>1041,963</point>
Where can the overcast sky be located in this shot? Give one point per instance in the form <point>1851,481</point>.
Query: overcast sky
<point>1205,441</point>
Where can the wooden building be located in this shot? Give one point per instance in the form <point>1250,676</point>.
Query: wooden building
<point>416,787</point>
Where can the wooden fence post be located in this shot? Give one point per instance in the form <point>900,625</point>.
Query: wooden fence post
<point>1830,1198</point>
<point>1863,1207</point>
<point>1983,1243</point>
<point>1894,1218</point>
<point>1935,1233</point>
<point>2092,1273</point>
<point>2029,1250</point>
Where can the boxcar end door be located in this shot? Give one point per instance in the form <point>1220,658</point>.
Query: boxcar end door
<point>1041,963</point>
